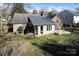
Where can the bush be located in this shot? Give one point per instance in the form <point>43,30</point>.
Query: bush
<point>56,33</point>
<point>20,29</point>
<point>77,24</point>
<point>30,37</point>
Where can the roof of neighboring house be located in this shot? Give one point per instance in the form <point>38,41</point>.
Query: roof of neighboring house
<point>76,14</point>
<point>36,19</point>
<point>67,17</point>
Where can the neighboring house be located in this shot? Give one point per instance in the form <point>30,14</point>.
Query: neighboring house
<point>5,20</point>
<point>58,21</point>
<point>69,17</point>
<point>0,21</point>
<point>76,18</point>
<point>32,23</point>
<point>3,23</point>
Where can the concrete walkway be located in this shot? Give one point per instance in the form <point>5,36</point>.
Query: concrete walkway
<point>62,32</point>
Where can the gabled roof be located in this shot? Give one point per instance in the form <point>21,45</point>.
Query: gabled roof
<point>19,18</point>
<point>36,19</point>
<point>58,17</point>
<point>40,20</point>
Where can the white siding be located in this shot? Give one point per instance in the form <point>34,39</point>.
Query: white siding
<point>39,30</point>
<point>45,30</point>
<point>16,26</point>
<point>53,28</point>
<point>76,19</point>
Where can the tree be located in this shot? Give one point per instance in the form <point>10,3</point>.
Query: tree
<point>18,8</point>
<point>35,12</point>
<point>41,12</point>
<point>50,14</point>
<point>54,11</point>
<point>4,8</point>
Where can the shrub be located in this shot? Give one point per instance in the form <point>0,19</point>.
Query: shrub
<point>20,29</point>
<point>56,33</point>
<point>77,24</point>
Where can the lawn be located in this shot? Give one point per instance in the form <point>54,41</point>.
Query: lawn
<point>40,46</point>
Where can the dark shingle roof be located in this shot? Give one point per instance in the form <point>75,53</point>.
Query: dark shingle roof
<point>40,20</point>
<point>76,14</point>
<point>19,18</point>
<point>22,18</point>
<point>67,16</point>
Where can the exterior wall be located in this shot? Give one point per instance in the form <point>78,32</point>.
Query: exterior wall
<point>45,30</point>
<point>58,22</point>
<point>39,31</point>
<point>76,19</point>
<point>16,26</point>
<point>1,22</point>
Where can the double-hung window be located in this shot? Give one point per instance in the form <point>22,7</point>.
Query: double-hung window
<point>49,27</point>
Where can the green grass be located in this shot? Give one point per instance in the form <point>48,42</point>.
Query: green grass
<point>53,38</point>
<point>50,39</point>
<point>32,49</point>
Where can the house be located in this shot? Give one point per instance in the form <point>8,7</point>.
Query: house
<point>69,17</point>
<point>3,20</point>
<point>76,18</point>
<point>32,23</point>
<point>3,23</point>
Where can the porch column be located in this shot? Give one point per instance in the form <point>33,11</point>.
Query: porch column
<point>39,31</point>
<point>44,29</point>
<point>53,28</point>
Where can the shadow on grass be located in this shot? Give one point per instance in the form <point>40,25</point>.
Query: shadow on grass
<point>58,49</point>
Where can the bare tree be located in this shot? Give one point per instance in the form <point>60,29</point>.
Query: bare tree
<point>3,10</point>
<point>35,12</point>
<point>18,8</point>
<point>41,12</point>
<point>51,15</point>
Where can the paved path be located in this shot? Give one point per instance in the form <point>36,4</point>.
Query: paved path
<point>62,32</point>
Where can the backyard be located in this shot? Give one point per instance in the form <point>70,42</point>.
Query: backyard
<point>51,44</point>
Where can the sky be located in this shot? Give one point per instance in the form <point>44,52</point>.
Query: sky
<point>47,6</point>
<point>56,6</point>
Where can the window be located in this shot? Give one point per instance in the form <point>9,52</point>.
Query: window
<point>49,27</point>
<point>41,29</point>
